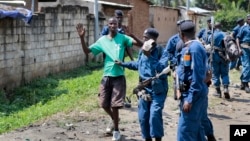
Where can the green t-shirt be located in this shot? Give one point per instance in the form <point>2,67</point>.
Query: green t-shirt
<point>113,50</point>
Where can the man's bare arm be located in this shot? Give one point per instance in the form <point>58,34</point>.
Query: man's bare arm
<point>81,32</point>
<point>136,41</point>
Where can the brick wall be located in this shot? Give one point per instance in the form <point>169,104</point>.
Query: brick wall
<point>48,45</point>
<point>139,17</point>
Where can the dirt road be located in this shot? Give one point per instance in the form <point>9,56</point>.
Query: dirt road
<point>81,126</point>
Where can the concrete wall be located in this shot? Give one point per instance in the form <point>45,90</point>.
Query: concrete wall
<point>50,44</point>
<point>164,20</point>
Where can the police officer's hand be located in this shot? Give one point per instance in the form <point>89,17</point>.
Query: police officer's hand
<point>187,106</point>
<point>118,62</point>
<point>80,29</point>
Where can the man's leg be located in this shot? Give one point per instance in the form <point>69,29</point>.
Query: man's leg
<point>116,118</point>
<point>245,74</point>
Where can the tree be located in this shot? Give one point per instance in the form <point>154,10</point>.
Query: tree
<point>229,12</point>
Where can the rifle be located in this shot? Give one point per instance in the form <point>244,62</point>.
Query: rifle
<point>144,83</point>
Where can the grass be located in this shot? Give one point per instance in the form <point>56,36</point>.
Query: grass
<point>44,97</point>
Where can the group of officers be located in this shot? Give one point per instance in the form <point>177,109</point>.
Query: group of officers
<point>193,68</point>
<point>212,40</point>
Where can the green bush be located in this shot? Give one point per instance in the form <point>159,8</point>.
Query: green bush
<point>228,18</point>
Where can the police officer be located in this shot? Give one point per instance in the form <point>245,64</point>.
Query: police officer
<point>148,65</point>
<point>171,46</point>
<point>220,63</point>
<point>206,122</point>
<point>204,33</point>
<point>191,72</point>
<point>243,41</point>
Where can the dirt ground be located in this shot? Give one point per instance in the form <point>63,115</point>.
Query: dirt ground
<point>82,126</point>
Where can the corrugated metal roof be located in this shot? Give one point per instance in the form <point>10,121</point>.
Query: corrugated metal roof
<point>110,3</point>
<point>165,7</point>
<point>197,10</point>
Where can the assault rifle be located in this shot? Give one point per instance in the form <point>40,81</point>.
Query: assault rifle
<point>144,83</point>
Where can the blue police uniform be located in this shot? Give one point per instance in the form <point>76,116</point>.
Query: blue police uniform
<point>244,37</point>
<point>171,48</point>
<point>190,123</point>
<point>150,112</point>
<point>220,67</point>
<point>204,35</point>
<point>236,30</point>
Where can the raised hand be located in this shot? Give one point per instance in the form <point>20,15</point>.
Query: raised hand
<point>80,29</point>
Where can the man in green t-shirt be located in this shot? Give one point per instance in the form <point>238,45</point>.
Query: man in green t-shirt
<point>113,83</point>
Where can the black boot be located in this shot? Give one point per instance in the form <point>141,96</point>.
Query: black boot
<point>246,87</point>
<point>226,92</point>
<point>211,138</point>
<point>218,92</point>
<point>148,139</point>
<point>242,86</point>
<point>157,139</point>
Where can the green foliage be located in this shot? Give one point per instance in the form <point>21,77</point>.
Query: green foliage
<point>228,18</point>
<point>229,13</point>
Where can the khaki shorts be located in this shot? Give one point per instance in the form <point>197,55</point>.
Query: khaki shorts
<point>112,91</point>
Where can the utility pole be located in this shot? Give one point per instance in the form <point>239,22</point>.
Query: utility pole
<point>187,9</point>
<point>96,20</point>
<point>187,3</point>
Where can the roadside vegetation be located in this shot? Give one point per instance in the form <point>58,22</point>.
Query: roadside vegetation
<point>77,89</point>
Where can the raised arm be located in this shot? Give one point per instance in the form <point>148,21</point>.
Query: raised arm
<point>81,32</point>
<point>136,41</point>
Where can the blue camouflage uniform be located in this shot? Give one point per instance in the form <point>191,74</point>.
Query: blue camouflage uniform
<point>190,124</point>
<point>150,112</point>
<point>204,35</point>
<point>236,30</point>
<point>220,67</point>
<point>171,48</point>
<point>244,37</point>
